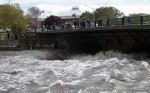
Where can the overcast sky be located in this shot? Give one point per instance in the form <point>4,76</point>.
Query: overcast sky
<point>63,7</point>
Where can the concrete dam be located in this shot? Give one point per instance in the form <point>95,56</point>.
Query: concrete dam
<point>127,39</point>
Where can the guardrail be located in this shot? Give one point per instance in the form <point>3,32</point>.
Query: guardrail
<point>138,20</point>
<point>126,20</point>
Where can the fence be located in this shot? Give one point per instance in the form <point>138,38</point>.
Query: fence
<point>126,20</point>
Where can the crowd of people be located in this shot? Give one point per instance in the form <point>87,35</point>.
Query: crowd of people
<point>11,36</point>
<point>78,24</point>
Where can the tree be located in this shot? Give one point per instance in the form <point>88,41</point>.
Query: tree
<point>35,12</point>
<point>32,16</point>
<point>12,17</point>
<point>135,18</point>
<point>108,13</point>
<point>31,21</point>
<point>86,15</point>
<point>51,21</point>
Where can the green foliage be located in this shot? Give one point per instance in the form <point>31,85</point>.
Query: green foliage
<point>86,15</point>
<point>139,14</point>
<point>135,18</point>
<point>12,17</point>
<point>103,12</point>
<point>107,13</point>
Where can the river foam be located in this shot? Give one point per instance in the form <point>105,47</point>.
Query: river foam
<point>31,72</point>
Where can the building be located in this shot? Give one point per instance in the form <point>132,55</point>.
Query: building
<point>73,15</point>
<point>63,19</point>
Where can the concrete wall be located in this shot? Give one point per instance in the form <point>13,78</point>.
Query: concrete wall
<point>9,44</point>
<point>133,39</point>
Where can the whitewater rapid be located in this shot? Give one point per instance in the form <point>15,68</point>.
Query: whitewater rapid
<point>31,71</point>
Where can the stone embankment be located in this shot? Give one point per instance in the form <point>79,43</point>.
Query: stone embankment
<point>9,44</point>
<point>8,41</point>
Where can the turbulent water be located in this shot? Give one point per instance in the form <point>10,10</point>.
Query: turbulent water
<point>31,72</point>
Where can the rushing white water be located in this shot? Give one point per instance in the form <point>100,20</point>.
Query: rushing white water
<point>31,72</point>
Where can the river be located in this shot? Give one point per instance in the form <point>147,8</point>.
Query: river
<point>31,71</point>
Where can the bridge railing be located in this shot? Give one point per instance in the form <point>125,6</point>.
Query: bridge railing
<point>146,20</point>
<point>126,20</point>
<point>137,20</point>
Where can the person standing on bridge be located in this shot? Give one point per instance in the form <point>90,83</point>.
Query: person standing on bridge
<point>75,24</point>
<point>8,35</point>
<point>100,22</point>
<point>82,24</point>
<point>88,24</point>
<point>129,21</point>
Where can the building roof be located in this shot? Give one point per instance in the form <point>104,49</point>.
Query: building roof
<point>74,10</point>
<point>41,19</point>
<point>69,17</point>
<point>62,17</point>
<point>72,14</point>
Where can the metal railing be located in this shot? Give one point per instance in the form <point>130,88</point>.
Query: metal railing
<point>126,20</point>
<point>138,20</point>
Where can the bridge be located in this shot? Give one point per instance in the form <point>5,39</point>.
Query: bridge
<point>124,38</point>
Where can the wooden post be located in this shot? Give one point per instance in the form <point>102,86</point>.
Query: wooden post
<point>141,20</point>
<point>122,21</point>
<point>107,22</point>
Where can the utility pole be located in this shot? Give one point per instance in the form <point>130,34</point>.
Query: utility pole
<point>75,22</point>
<point>9,2</point>
<point>93,14</point>
<point>93,11</point>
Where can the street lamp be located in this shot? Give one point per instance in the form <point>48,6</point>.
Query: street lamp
<point>93,12</point>
<point>9,2</point>
<point>75,23</point>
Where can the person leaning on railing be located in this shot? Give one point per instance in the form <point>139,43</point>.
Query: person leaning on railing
<point>100,22</point>
<point>129,21</point>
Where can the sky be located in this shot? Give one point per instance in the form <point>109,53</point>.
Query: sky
<point>63,7</point>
